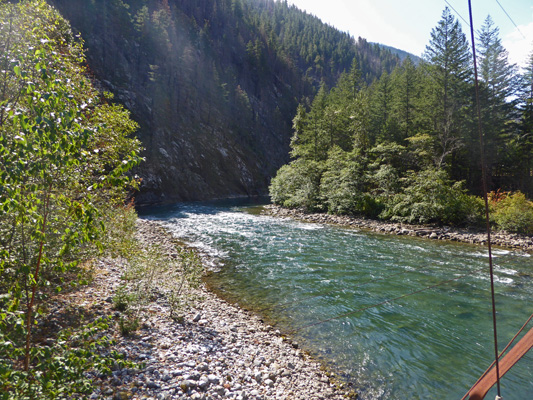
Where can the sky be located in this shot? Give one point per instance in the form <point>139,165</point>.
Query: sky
<point>407,24</point>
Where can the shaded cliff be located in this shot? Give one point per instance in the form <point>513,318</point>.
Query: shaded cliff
<point>214,84</point>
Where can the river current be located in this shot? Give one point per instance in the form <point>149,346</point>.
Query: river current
<point>322,284</point>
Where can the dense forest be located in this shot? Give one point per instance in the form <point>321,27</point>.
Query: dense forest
<point>406,147</point>
<point>214,84</point>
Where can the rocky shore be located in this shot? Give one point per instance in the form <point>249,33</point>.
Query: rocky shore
<point>500,239</point>
<point>218,351</point>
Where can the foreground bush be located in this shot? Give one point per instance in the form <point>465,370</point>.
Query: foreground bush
<point>344,186</point>
<point>512,212</point>
<point>151,271</point>
<point>297,185</point>
<point>430,197</point>
<point>64,155</point>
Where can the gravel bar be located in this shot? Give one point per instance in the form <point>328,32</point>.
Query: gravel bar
<point>219,351</point>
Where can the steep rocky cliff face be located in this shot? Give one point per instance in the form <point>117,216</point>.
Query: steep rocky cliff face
<point>211,83</point>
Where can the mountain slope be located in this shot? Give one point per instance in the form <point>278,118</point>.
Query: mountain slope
<point>402,54</point>
<point>214,84</point>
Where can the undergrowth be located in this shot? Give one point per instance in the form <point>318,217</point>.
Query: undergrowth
<point>166,272</point>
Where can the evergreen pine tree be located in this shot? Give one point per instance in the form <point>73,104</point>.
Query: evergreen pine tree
<point>448,61</point>
<point>523,139</point>
<point>405,90</point>
<point>498,79</point>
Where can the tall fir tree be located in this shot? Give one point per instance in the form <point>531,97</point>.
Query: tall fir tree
<point>381,101</point>
<point>448,61</point>
<point>523,139</point>
<point>405,89</point>
<point>311,140</point>
<point>498,87</point>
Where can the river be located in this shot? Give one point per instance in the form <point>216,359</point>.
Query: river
<point>311,280</point>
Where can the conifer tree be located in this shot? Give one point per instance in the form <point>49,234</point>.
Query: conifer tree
<point>311,141</point>
<point>381,98</point>
<point>498,79</point>
<point>405,96</point>
<point>448,61</point>
<point>523,139</point>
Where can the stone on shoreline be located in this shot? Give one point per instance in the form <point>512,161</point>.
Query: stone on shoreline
<point>218,351</point>
<point>502,239</point>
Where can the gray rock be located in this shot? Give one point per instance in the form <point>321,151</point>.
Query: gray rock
<point>203,367</point>
<point>220,390</point>
<point>186,384</point>
<point>203,384</point>
<point>153,385</point>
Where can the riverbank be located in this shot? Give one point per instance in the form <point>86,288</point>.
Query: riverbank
<point>501,239</point>
<point>218,351</point>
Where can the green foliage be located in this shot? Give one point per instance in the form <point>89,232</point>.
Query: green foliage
<point>430,197</point>
<point>59,369</point>
<point>512,212</point>
<point>312,136</point>
<point>123,299</point>
<point>406,147</point>
<point>385,183</point>
<point>297,185</point>
<point>152,271</point>
<point>128,324</point>
<point>521,143</point>
<point>189,277</point>
<point>344,185</point>
<point>64,158</point>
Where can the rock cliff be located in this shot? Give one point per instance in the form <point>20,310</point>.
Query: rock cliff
<point>213,84</point>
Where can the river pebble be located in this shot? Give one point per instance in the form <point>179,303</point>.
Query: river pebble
<point>474,236</point>
<point>218,351</point>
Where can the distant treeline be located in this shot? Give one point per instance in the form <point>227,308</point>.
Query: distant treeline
<point>406,147</point>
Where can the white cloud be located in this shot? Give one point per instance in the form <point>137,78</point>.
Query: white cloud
<point>519,48</point>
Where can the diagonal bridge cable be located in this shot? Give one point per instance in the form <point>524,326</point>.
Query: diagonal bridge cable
<point>508,16</point>
<point>500,356</point>
<point>346,314</point>
<point>485,198</point>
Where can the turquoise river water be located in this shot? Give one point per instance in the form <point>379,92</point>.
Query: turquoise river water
<point>430,345</point>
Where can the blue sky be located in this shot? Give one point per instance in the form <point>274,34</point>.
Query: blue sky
<point>407,24</point>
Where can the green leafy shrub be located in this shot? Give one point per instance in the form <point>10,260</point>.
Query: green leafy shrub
<point>59,369</point>
<point>123,299</point>
<point>385,182</point>
<point>343,187</point>
<point>512,212</point>
<point>169,270</point>
<point>191,270</point>
<point>430,197</point>
<point>128,324</point>
<point>297,185</point>
<point>64,155</point>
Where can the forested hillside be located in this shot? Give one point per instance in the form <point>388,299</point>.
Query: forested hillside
<point>214,84</point>
<point>407,146</point>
